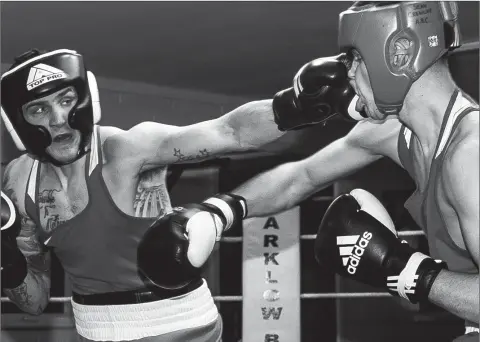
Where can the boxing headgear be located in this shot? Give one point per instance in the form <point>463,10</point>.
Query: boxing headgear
<point>398,42</point>
<point>39,76</point>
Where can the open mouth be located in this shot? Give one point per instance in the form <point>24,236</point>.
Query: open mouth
<point>63,138</point>
<point>360,106</point>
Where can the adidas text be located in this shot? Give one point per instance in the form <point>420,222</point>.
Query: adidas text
<point>358,251</point>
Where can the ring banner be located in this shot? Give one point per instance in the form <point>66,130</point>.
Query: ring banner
<point>271,278</point>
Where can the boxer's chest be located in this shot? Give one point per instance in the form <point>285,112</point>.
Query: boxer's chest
<point>435,208</point>
<point>57,204</point>
<point>421,167</point>
<point>143,196</point>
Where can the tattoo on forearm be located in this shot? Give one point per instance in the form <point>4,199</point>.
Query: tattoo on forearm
<point>21,296</point>
<point>32,244</point>
<point>202,154</point>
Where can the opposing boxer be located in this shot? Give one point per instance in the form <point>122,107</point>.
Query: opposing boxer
<point>75,191</point>
<point>418,117</point>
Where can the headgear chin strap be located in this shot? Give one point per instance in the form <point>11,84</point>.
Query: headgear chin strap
<point>398,42</point>
<point>41,76</point>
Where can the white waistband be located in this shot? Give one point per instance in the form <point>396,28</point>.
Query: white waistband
<point>134,321</point>
<point>470,329</point>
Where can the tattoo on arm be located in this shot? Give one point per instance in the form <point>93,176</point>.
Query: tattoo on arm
<point>151,197</point>
<point>32,295</point>
<point>202,154</point>
<point>20,295</point>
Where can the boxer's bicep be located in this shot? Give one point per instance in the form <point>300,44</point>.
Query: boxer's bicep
<point>460,176</point>
<point>378,137</point>
<point>335,161</point>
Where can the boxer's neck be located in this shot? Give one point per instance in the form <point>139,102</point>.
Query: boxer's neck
<point>70,173</point>
<point>424,108</point>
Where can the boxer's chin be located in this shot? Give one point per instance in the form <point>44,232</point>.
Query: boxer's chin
<point>65,151</point>
<point>360,105</point>
<point>361,108</point>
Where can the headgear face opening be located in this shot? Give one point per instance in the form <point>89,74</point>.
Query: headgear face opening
<point>41,76</point>
<point>398,42</point>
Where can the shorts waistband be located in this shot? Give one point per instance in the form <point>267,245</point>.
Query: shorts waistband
<point>134,321</point>
<point>138,296</point>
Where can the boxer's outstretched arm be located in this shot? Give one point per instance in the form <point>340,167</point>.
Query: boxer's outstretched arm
<point>286,185</point>
<point>457,292</point>
<point>33,294</point>
<point>151,144</point>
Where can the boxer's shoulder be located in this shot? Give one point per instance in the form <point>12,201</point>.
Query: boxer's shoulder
<point>106,132</point>
<point>15,179</point>
<point>459,169</point>
<point>464,141</point>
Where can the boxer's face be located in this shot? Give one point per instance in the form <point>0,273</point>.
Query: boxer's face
<point>51,112</point>
<point>360,81</point>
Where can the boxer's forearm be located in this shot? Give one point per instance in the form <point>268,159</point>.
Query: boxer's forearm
<point>33,294</point>
<point>276,190</point>
<point>457,293</point>
<point>253,124</point>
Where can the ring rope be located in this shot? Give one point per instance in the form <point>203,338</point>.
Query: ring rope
<point>314,236</point>
<point>302,296</point>
<point>331,295</point>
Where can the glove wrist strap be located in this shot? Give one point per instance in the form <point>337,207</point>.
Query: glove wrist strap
<point>428,272</point>
<point>233,208</point>
<point>416,279</point>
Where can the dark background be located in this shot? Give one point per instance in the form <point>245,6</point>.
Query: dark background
<point>246,50</point>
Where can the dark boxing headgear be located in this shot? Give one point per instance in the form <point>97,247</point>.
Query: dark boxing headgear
<point>41,75</point>
<point>417,33</point>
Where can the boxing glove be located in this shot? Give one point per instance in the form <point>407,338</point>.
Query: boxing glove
<point>357,239</point>
<point>14,264</point>
<point>320,91</point>
<point>176,246</point>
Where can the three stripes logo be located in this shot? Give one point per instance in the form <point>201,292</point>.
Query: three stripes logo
<point>43,73</point>
<point>401,285</point>
<point>406,282</point>
<point>351,249</point>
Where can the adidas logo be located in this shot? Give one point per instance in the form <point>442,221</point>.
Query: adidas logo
<point>352,248</point>
<point>41,74</point>
<point>395,283</point>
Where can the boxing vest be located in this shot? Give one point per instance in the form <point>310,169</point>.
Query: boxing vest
<point>423,207</point>
<point>98,247</point>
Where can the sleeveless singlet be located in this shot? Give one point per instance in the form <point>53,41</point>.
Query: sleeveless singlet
<point>98,247</point>
<point>423,207</point>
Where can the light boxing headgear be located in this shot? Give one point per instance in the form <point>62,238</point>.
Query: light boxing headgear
<point>40,75</point>
<point>398,42</point>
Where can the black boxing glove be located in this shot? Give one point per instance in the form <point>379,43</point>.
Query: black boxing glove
<point>176,246</point>
<point>320,91</point>
<point>357,239</point>
<point>14,264</point>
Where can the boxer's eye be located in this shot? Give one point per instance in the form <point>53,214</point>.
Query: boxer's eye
<point>68,99</point>
<point>36,110</point>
